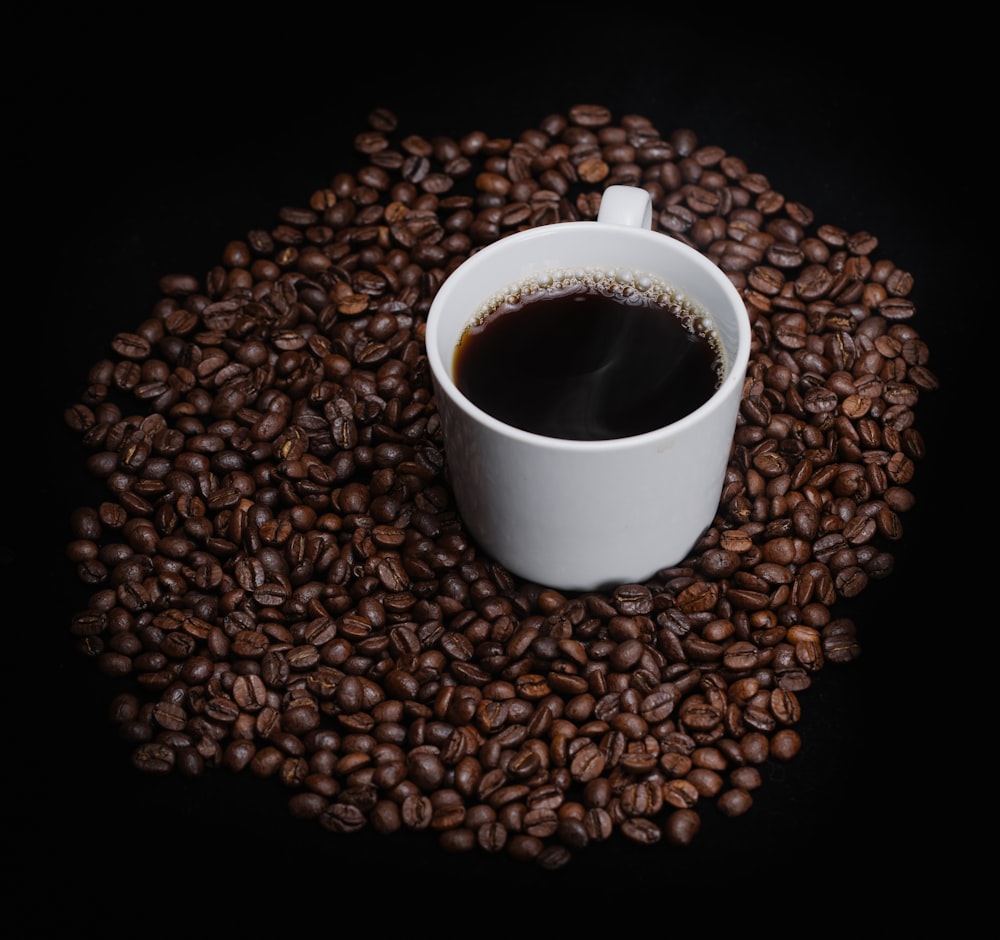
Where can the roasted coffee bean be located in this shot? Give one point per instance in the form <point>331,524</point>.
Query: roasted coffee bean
<point>278,564</point>
<point>734,802</point>
<point>682,826</point>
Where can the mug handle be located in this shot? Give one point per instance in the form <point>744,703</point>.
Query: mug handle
<point>626,205</point>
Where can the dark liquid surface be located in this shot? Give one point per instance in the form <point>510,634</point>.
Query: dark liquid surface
<point>586,364</point>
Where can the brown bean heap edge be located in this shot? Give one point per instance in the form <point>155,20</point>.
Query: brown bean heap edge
<point>282,586</point>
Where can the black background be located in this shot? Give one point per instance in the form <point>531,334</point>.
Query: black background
<point>150,164</point>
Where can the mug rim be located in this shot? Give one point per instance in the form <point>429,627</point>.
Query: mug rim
<point>445,383</point>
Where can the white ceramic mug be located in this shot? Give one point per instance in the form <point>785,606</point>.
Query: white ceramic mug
<point>585,515</point>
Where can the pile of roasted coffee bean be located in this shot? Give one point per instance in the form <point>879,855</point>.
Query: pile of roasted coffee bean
<point>282,587</point>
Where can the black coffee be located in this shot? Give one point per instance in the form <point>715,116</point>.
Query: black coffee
<point>588,358</point>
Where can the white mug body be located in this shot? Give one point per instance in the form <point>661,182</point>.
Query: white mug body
<point>584,515</point>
